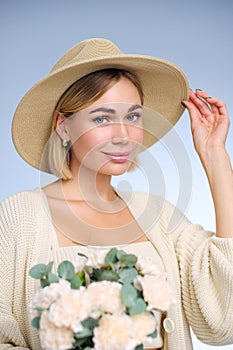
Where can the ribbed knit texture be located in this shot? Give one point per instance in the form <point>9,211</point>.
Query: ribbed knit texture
<point>198,265</point>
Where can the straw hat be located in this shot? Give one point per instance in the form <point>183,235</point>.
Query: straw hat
<point>164,86</point>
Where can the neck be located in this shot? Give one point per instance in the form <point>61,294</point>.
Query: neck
<point>88,185</point>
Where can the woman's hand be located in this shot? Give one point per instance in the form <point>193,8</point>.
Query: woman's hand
<point>209,121</point>
<point>209,125</point>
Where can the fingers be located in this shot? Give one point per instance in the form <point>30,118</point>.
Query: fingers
<point>201,100</point>
<point>198,108</point>
<point>201,103</point>
<point>213,102</point>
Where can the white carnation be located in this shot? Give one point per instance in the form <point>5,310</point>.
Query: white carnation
<point>114,332</point>
<point>144,324</point>
<point>52,337</point>
<point>105,296</point>
<point>157,292</point>
<point>71,309</point>
<point>146,267</point>
<point>47,295</point>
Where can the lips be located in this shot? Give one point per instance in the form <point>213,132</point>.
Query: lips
<point>119,157</point>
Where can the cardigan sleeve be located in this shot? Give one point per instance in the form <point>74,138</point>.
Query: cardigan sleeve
<point>206,274</point>
<point>14,323</point>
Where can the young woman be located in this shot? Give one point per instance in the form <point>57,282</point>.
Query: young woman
<point>85,122</point>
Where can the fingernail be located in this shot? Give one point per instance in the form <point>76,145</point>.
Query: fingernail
<point>199,89</point>
<point>183,104</point>
<point>209,97</point>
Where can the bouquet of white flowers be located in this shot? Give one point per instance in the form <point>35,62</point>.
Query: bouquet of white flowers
<point>106,301</point>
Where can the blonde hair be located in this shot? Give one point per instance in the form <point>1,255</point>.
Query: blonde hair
<point>78,96</point>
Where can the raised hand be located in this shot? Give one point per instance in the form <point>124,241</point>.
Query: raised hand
<point>209,125</point>
<point>209,121</point>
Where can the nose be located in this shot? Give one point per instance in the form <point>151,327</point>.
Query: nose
<point>120,133</point>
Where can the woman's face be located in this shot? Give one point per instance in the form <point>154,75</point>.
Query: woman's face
<point>106,136</point>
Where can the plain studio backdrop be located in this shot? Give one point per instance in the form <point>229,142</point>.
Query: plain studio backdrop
<point>195,35</point>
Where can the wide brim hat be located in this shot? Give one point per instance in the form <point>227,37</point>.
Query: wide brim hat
<point>164,86</point>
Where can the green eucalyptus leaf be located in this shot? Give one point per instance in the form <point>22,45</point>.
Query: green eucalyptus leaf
<point>106,275</point>
<point>44,282</point>
<point>84,334</point>
<point>111,256</point>
<point>154,334</point>
<point>36,322</point>
<point>75,282</point>
<point>38,271</point>
<point>90,322</point>
<point>49,267</point>
<point>79,342</point>
<point>128,294</point>
<point>128,274</point>
<point>120,253</point>
<point>96,274</point>
<point>137,307</point>
<point>128,260</point>
<point>40,309</point>
<point>66,270</point>
<point>139,347</point>
<point>52,278</point>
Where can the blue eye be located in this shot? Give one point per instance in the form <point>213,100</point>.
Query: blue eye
<point>100,120</point>
<point>133,117</point>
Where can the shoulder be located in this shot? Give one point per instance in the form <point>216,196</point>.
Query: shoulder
<point>22,207</point>
<point>24,226</point>
<point>23,198</point>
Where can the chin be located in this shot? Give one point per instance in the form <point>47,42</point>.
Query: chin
<point>116,169</point>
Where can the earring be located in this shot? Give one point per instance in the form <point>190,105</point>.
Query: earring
<point>65,143</point>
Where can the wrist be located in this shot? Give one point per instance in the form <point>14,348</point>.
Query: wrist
<point>211,156</point>
<point>217,165</point>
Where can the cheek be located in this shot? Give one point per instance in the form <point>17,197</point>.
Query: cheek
<point>88,141</point>
<point>136,135</point>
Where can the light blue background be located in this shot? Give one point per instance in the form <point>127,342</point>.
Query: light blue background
<point>196,35</point>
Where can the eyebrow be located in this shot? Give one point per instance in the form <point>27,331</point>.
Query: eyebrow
<point>103,109</point>
<point>132,108</point>
<point>113,111</point>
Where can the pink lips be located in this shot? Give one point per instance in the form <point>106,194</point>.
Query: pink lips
<point>118,157</point>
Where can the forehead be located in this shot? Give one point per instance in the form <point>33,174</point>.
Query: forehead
<point>124,91</point>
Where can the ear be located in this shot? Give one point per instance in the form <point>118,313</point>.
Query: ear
<point>61,126</point>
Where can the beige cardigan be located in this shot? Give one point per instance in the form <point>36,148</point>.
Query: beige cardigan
<point>198,265</point>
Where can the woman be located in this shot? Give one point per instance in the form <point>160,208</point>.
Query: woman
<point>85,122</point>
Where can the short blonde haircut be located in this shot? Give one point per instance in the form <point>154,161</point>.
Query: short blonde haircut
<point>78,96</point>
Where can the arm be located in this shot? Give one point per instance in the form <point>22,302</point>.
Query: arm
<point>13,309</point>
<point>209,124</point>
<point>206,262</point>
<point>206,275</point>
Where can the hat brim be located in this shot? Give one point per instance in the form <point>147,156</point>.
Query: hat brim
<point>164,86</point>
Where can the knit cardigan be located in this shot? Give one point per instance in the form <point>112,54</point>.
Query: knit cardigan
<point>198,266</point>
